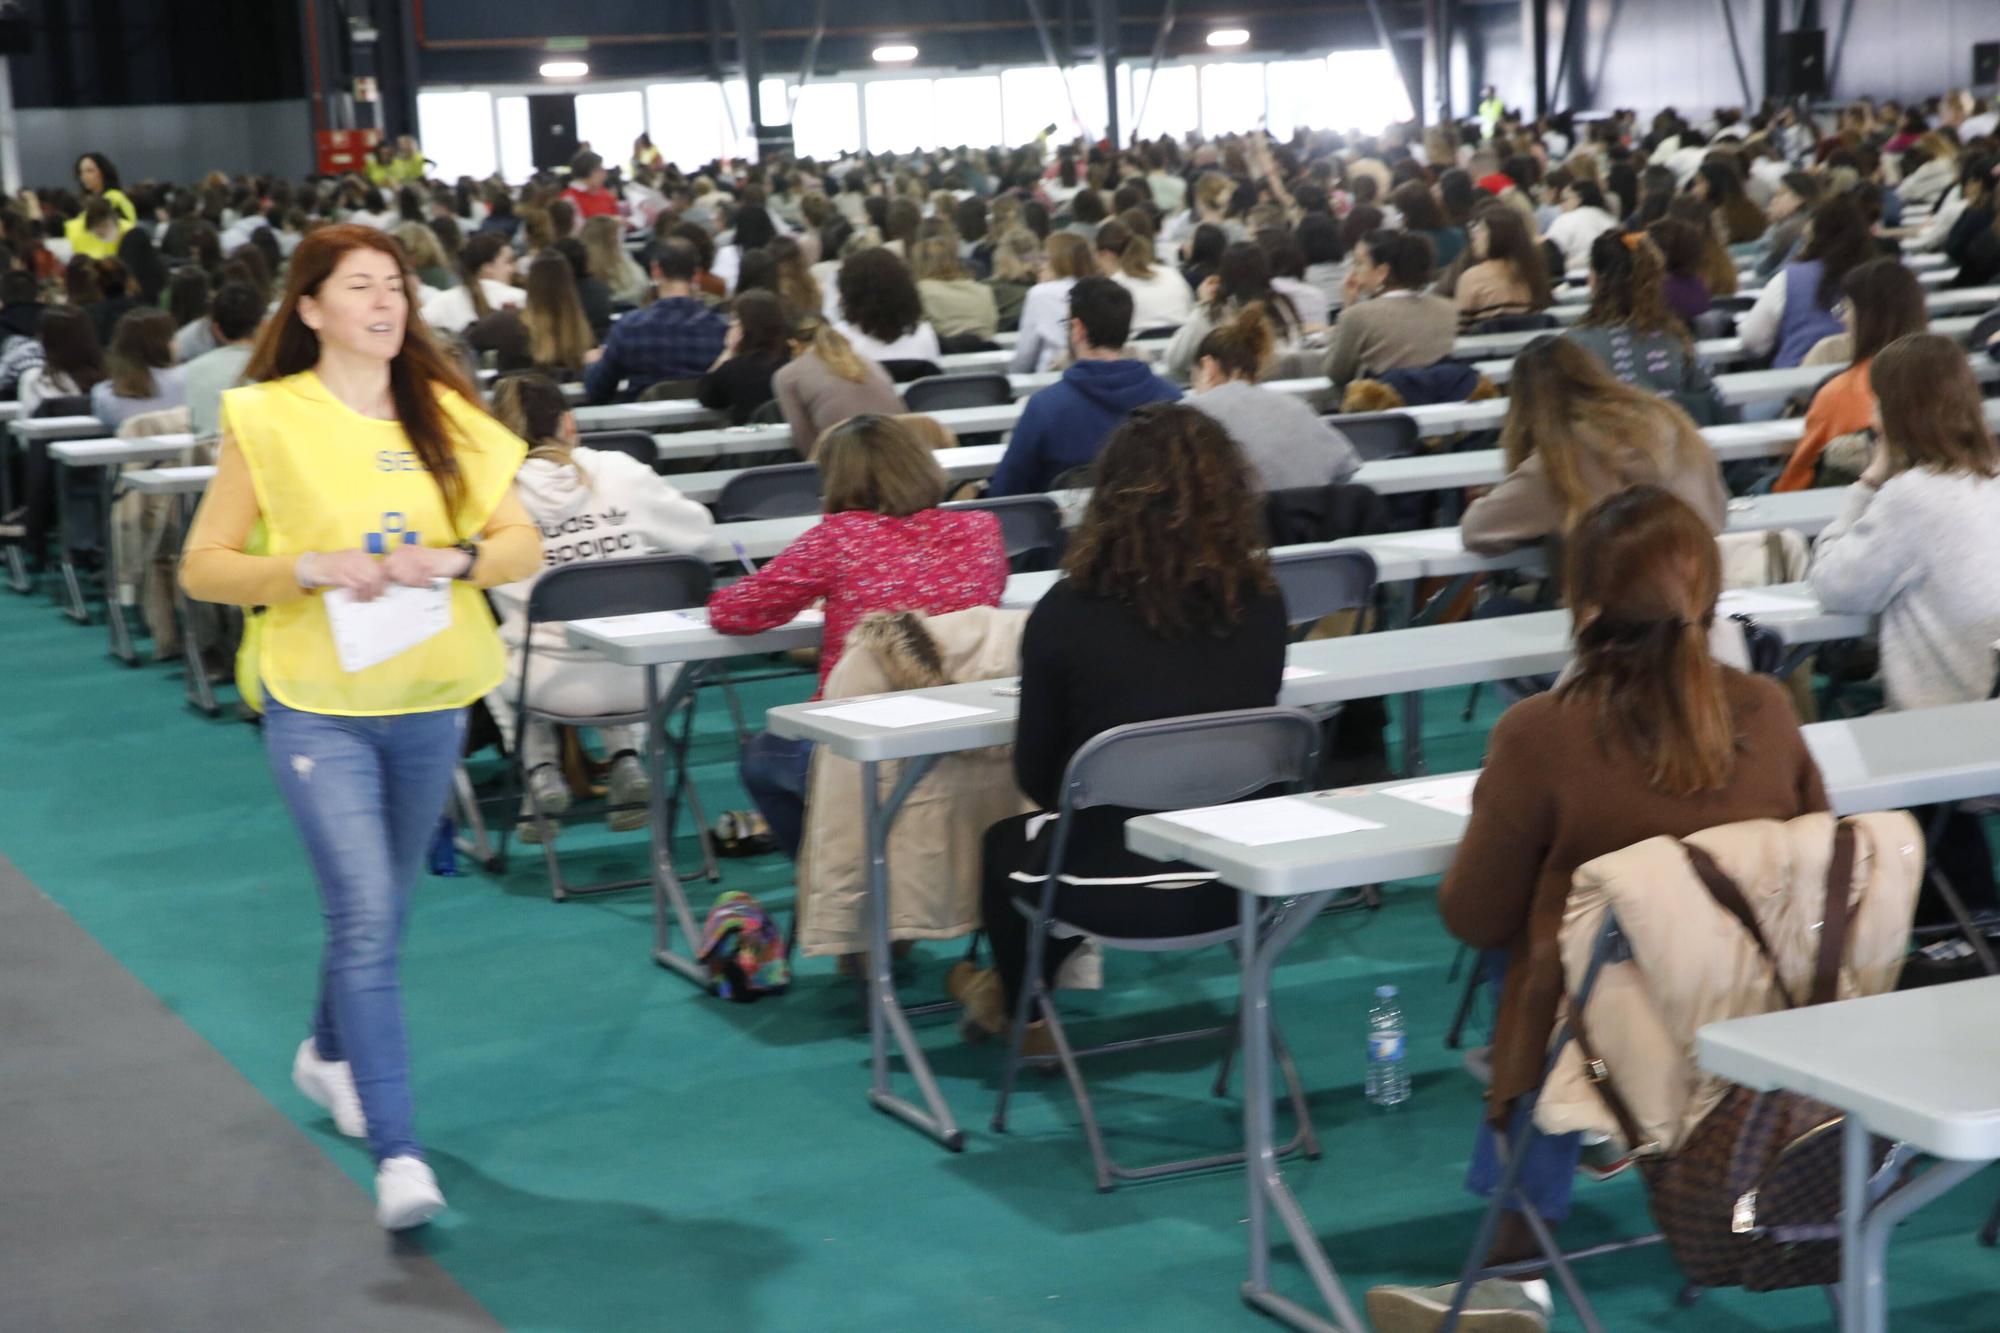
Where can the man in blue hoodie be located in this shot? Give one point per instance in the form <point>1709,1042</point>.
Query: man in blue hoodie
<point>1062,427</point>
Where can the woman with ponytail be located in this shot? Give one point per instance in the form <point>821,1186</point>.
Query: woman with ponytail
<point>1632,331</point>
<point>1645,736</point>
<point>486,284</point>
<point>827,381</point>
<point>1574,435</point>
<point>1161,298</point>
<point>1287,444</point>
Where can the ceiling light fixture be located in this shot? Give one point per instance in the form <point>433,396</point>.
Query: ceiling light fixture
<point>1228,37</point>
<point>896,53</point>
<point>565,69</point>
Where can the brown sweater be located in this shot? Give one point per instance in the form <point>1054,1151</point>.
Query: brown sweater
<point>1396,331</point>
<point>1524,508</point>
<point>1552,796</point>
<point>813,398</point>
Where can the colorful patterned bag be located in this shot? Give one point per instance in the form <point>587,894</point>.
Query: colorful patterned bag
<point>743,949</point>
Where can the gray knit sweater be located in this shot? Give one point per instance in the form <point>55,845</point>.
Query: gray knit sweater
<point>1924,554</point>
<point>1288,444</point>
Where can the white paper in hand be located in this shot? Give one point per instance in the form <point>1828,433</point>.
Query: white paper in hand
<point>366,634</point>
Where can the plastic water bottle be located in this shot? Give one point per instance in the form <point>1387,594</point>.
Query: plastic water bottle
<point>444,848</point>
<point>1388,1075</point>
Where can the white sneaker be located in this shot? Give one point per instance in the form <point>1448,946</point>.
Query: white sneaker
<point>551,793</point>
<point>627,792</point>
<point>406,1194</point>
<point>1495,1305</point>
<point>329,1084</point>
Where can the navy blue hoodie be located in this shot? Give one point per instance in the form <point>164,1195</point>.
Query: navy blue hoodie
<point>1064,425</point>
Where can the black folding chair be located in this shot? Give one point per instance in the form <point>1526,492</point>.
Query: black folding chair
<point>787,490</point>
<point>1715,323</point>
<point>1378,435</point>
<point>1031,527</point>
<point>1150,766</point>
<point>1317,583</point>
<point>972,389</point>
<point>906,371</point>
<point>634,444</point>
<point>37,498</point>
<point>616,588</point>
<point>1528,323</point>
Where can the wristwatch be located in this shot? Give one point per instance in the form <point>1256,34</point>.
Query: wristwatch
<point>471,550</point>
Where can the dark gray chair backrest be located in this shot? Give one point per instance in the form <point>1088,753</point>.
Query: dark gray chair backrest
<point>1378,435</point>
<point>1527,323</point>
<point>978,389</point>
<point>787,490</point>
<point>635,444</point>
<point>1715,324</point>
<point>1031,527</point>
<point>1180,763</point>
<point>906,371</point>
<point>1319,583</point>
<point>65,405</point>
<point>627,587</point>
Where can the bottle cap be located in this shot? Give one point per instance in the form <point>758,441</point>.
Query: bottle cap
<point>1385,992</point>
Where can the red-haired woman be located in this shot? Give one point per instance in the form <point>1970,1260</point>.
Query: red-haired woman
<point>361,456</point>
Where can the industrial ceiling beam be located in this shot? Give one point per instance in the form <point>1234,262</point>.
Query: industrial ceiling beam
<point>1535,35</point>
<point>1736,52</point>
<point>1049,51</point>
<point>1105,14</point>
<point>1159,52</point>
<point>1839,45</point>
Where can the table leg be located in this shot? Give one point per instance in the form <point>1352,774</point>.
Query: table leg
<point>669,900</point>
<point>119,629</point>
<point>1413,735</point>
<point>17,565</point>
<point>1864,1297</point>
<point>198,691</point>
<point>72,584</point>
<point>1266,1182</point>
<point>886,1017</point>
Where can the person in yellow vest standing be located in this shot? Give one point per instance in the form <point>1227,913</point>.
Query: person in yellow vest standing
<point>97,233</point>
<point>362,499</point>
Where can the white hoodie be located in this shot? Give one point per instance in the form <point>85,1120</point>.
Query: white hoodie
<point>608,506</point>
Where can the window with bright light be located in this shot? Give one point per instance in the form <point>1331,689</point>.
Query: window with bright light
<point>1031,100</point>
<point>1299,93</point>
<point>456,130</point>
<point>826,121</point>
<point>517,139</point>
<point>689,124</point>
<point>610,123</point>
<point>1232,98</point>
<point>1367,92</point>
<point>1170,108</point>
<point>774,102</point>
<point>968,111</point>
<point>900,115</point>
<point>743,134</point>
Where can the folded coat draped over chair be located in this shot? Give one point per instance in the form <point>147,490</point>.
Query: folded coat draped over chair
<point>934,845</point>
<point>1693,963</point>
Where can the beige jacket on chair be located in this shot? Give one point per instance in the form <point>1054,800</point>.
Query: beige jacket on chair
<point>145,538</point>
<point>1694,964</point>
<point>934,845</point>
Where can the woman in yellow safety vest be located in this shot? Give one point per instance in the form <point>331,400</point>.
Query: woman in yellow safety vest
<point>362,499</point>
<point>97,236</point>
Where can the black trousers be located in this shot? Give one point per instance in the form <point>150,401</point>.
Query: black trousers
<point>1131,910</point>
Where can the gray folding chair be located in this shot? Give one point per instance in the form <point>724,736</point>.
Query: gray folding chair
<point>1148,766</point>
<point>1031,526</point>
<point>610,588</point>
<point>788,490</point>
<point>1316,583</point>
<point>634,444</point>
<point>1378,435</point>
<point>933,393</point>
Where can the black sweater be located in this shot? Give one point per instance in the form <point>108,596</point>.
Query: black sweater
<point>739,386</point>
<point>1089,664</point>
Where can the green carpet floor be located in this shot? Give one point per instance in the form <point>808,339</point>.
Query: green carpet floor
<point>623,1153</point>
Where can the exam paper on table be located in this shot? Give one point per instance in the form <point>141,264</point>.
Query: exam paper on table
<point>1452,794</point>
<point>1260,823</point>
<point>658,622</point>
<point>896,711</point>
<point>1438,539</point>
<point>366,634</point>
<point>1755,601</point>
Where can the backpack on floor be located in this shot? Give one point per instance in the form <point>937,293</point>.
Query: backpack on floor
<point>743,949</point>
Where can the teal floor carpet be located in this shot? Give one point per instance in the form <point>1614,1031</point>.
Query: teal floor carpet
<point>624,1153</point>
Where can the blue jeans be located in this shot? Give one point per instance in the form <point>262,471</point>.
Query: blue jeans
<point>773,770</point>
<point>1548,1166</point>
<point>366,794</point>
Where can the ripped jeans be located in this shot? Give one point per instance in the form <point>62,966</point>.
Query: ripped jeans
<point>366,794</point>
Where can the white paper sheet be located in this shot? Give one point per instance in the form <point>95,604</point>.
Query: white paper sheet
<point>1759,601</point>
<point>897,711</point>
<point>1260,823</point>
<point>1451,794</point>
<point>1436,539</point>
<point>650,621</point>
<point>366,634</point>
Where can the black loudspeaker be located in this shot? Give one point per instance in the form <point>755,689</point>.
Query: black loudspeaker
<point>1802,63</point>
<point>1986,63</point>
<point>552,129</point>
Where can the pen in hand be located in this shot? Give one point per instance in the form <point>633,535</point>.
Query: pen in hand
<point>742,557</point>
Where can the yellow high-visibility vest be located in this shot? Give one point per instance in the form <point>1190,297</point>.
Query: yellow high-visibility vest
<point>329,479</point>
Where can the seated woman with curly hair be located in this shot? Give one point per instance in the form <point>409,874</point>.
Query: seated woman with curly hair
<point>881,314</point>
<point>1169,608</point>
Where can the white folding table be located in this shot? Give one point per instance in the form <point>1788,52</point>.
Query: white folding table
<point>106,457</point>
